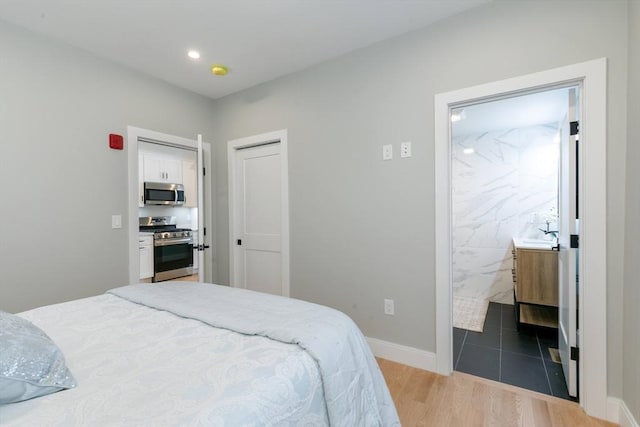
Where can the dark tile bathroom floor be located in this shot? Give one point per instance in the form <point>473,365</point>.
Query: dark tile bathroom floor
<point>504,354</point>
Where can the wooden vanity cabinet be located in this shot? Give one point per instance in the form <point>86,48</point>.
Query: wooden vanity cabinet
<point>535,276</point>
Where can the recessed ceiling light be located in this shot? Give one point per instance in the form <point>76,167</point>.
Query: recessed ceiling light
<point>219,70</point>
<point>458,115</point>
<point>468,151</point>
<point>194,54</point>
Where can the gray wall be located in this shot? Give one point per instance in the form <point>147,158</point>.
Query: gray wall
<point>363,229</point>
<point>631,349</point>
<point>61,183</point>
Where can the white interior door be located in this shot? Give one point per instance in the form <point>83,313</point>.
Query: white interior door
<point>201,212</point>
<point>568,256</point>
<point>258,205</point>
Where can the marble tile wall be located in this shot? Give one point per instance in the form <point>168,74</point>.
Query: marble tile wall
<point>506,187</point>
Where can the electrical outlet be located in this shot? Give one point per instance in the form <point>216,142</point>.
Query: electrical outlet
<point>388,307</point>
<point>405,149</point>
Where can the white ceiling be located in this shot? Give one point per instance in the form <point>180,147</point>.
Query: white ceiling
<point>258,40</point>
<point>517,112</point>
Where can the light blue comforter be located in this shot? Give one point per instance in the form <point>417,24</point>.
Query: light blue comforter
<point>355,391</point>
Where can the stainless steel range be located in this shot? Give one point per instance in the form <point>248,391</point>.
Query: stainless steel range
<point>172,247</point>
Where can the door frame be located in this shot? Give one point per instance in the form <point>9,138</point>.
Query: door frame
<point>133,134</point>
<point>593,215</point>
<point>252,141</point>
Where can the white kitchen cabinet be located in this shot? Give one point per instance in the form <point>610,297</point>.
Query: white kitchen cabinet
<point>190,182</point>
<point>145,245</point>
<point>158,168</point>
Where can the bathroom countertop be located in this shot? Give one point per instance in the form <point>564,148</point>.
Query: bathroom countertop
<point>526,243</point>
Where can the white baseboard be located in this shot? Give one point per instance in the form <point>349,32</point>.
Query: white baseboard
<point>619,413</point>
<point>613,409</point>
<point>406,355</point>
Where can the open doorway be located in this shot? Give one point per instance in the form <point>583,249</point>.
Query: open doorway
<point>169,187</point>
<point>592,235</point>
<point>505,207</point>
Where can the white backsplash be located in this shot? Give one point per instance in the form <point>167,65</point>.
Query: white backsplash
<point>506,188</point>
<point>185,217</point>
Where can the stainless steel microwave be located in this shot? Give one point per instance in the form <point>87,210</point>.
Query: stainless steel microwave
<point>161,193</point>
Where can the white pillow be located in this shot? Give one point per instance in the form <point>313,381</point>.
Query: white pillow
<point>31,365</point>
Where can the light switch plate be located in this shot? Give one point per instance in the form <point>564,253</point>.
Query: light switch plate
<point>387,152</point>
<point>405,149</point>
<point>116,221</point>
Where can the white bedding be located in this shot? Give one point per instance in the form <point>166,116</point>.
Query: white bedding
<point>354,389</point>
<point>137,366</point>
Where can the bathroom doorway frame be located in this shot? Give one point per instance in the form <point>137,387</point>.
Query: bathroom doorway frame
<point>592,77</point>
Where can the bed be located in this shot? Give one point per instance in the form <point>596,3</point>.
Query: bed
<point>184,353</point>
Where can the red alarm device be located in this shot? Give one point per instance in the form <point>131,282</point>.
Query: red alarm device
<point>116,141</point>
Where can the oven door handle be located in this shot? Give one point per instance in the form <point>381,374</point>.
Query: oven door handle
<point>169,242</point>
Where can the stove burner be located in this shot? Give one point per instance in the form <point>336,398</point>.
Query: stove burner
<point>163,227</point>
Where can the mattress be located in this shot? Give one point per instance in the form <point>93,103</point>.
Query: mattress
<point>190,354</point>
<point>137,366</point>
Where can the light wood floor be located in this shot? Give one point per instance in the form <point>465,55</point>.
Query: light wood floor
<point>426,399</point>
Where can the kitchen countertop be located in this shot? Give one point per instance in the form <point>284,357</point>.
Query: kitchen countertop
<point>525,243</point>
<point>145,233</point>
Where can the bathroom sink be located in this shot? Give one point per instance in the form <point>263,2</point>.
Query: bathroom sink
<point>533,243</point>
